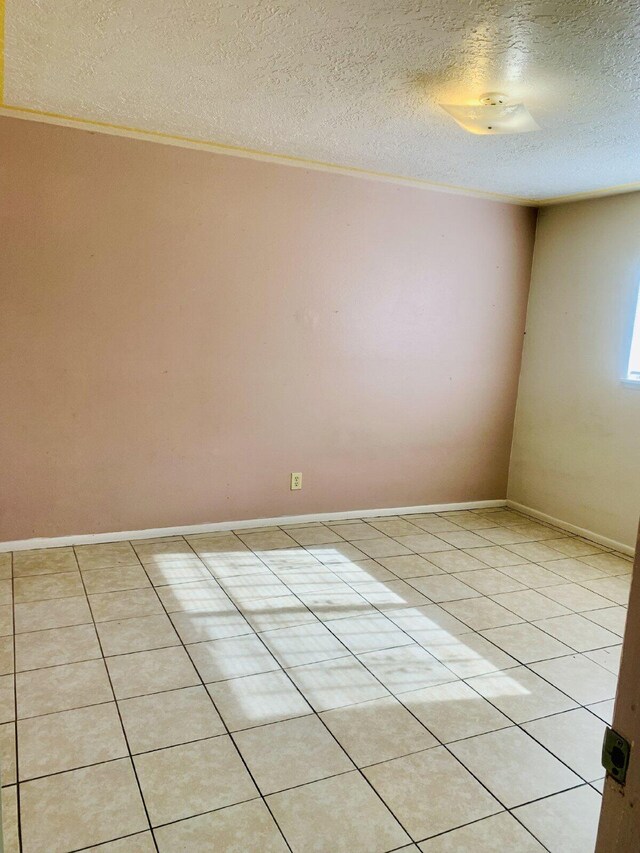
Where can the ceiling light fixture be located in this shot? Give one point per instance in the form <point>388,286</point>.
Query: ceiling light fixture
<point>493,114</point>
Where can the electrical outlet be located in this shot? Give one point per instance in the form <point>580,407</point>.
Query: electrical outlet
<point>296,481</point>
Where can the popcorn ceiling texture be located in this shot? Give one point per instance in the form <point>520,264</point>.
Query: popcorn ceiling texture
<point>351,82</point>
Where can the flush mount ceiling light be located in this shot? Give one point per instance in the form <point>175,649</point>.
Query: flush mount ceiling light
<point>493,114</point>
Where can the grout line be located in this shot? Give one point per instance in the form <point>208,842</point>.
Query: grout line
<point>15,707</point>
<point>124,732</point>
<point>223,723</point>
<point>372,610</point>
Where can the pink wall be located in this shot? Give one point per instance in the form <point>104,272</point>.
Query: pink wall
<point>180,330</point>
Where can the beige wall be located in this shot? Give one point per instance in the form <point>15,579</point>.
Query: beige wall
<point>181,330</point>
<point>576,451</point>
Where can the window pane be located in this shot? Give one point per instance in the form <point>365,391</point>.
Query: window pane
<point>634,355</point>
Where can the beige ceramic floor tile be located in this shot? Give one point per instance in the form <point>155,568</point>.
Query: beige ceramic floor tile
<point>469,654</point>
<point>320,816</point>
<point>578,633</point>
<point>521,694</point>
<point>177,573</point>
<point>413,789</point>
<point>465,539</point>
<point>41,615</point>
<point>432,523</point>
<point>6,620</point>
<point>72,809</point>
<point>454,711</point>
<point>368,633</point>
<point>7,699</point>
<point>6,590</point>
<point>455,561</point>
<point>158,551</point>
<point>427,543</point>
<point>613,618</point>
<point>250,587</point>
<point>389,595</point>
<point>533,576</point>
<point>44,587</point>
<point>572,570</point>
<point>106,555</point>
<point>61,688</point>
<point>10,835</point>
<point>395,527</point>
<point>575,597</point>
<point>327,606</point>
<point>256,700</point>
<point>56,646</point>
<point>116,579</point>
<point>526,643</point>
<point>142,842</point>
<point>489,581</point>
<point>124,605</point>
<point>320,535</point>
<point>236,829</point>
<point>615,589</point>
<point>411,566</point>
<point>513,766</point>
<point>6,561</point>
<point>536,552</point>
<point>564,823</point>
<point>481,613</point>
<point>305,643</point>
<point>497,834</point>
<point>291,559</point>
<point>609,563</point>
<point>575,738</point>
<point>426,623</point>
<point>578,677</point>
<point>286,611</point>
<point>200,597</point>
<point>336,683</point>
<point>291,753</point>
<point>496,556</point>
<point>406,668</point>
<point>194,626</point>
<point>233,657</point>
<point>384,546</point>
<point>364,571</point>
<point>178,782</point>
<point>337,552</point>
<point>267,540</point>
<point>609,658</point>
<point>503,536</point>
<point>169,719</point>
<point>530,604</point>
<point>140,634</point>
<point>443,588</point>
<point>6,656</point>
<point>353,531</point>
<point>70,739</point>
<point>572,546</point>
<point>377,731</point>
<point>141,673</point>
<point>235,564</point>
<point>8,753</point>
<point>44,561</point>
<point>603,710</point>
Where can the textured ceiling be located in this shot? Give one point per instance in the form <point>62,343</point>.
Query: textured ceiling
<point>350,82</point>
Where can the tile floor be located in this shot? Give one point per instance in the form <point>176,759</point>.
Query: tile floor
<point>436,682</point>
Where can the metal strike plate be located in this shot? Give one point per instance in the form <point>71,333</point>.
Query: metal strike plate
<point>615,755</point>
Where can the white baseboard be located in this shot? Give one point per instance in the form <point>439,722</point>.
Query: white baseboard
<point>573,528</point>
<point>215,527</point>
